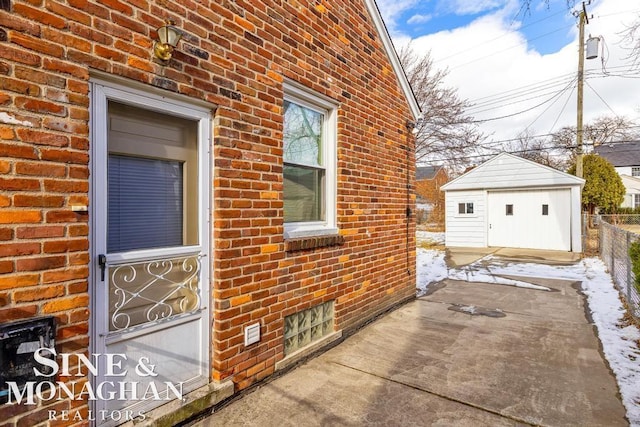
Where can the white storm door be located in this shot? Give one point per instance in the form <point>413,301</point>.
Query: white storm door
<point>150,228</point>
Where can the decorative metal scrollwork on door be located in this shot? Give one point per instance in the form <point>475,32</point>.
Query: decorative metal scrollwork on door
<point>152,291</point>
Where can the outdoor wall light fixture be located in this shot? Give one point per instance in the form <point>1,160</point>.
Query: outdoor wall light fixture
<point>168,38</point>
<point>414,127</point>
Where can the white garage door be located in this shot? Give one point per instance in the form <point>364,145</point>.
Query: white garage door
<point>535,219</point>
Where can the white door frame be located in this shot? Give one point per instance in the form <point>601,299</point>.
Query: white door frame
<point>107,89</point>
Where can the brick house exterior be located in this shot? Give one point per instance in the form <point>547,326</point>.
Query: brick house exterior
<point>235,65</point>
<point>429,179</point>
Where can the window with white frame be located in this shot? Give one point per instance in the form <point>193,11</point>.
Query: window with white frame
<point>309,154</point>
<point>635,171</point>
<point>636,200</point>
<point>465,208</point>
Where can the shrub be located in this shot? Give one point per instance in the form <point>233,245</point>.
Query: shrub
<point>634,255</point>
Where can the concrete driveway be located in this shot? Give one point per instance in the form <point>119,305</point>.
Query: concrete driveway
<point>521,357</point>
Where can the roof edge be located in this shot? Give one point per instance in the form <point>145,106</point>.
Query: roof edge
<point>580,181</point>
<point>393,57</point>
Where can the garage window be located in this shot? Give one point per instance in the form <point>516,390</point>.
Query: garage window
<point>465,208</point>
<point>509,209</point>
<point>545,209</point>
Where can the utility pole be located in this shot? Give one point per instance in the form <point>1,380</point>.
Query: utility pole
<point>583,19</point>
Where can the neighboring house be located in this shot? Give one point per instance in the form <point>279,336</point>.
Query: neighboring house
<point>625,158</point>
<point>632,191</point>
<point>429,179</point>
<point>213,216</point>
<point>509,201</point>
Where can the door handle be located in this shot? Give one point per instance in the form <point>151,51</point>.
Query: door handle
<point>102,262</point>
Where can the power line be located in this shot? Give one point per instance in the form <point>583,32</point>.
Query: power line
<point>562,110</point>
<point>537,87</point>
<point>530,86</point>
<point>509,48</point>
<point>526,110</point>
<point>601,99</point>
<point>549,106</point>
<point>516,101</point>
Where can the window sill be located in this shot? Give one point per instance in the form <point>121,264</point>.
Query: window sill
<point>313,242</point>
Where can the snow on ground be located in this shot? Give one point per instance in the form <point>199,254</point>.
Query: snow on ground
<point>430,237</point>
<point>484,275</point>
<point>619,343</point>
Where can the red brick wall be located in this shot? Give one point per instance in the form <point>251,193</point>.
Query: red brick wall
<point>236,55</point>
<point>429,190</point>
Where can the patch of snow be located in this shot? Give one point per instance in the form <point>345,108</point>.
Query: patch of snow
<point>483,275</point>
<point>471,309</point>
<point>431,268</point>
<point>619,343</point>
<point>8,119</point>
<point>430,237</point>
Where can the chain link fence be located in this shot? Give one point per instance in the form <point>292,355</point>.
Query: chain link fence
<point>616,234</point>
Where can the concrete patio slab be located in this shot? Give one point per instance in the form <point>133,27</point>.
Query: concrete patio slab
<point>459,256</point>
<point>441,360</point>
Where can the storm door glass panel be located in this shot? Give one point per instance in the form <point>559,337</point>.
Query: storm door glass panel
<point>145,203</point>
<point>155,290</point>
<point>304,169</point>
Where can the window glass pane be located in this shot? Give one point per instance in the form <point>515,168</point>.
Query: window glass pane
<point>145,203</point>
<point>303,194</point>
<point>545,209</point>
<point>469,208</point>
<point>635,171</point>
<point>461,208</point>
<point>305,327</point>
<point>509,209</point>
<point>302,135</point>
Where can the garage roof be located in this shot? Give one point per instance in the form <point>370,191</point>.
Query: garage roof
<point>508,171</point>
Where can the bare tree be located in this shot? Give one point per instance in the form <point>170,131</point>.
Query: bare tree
<point>559,149</point>
<point>602,130</point>
<point>631,40</point>
<point>446,135</point>
<point>540,150</point>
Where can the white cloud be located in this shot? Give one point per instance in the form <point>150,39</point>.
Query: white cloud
<point>391,10</point>
<point>470,7</point>
<point>487,58</point>
<point>419,19</point>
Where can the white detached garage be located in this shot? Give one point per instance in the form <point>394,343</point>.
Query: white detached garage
<point>512,202</point>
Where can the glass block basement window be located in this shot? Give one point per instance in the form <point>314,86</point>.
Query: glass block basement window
<point>305,327</point>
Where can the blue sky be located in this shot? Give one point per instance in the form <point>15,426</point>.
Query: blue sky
<point>494,50</point>
<point>546,27</point>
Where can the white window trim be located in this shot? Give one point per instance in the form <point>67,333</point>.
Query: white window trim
<point>300,95</point>
<point>466,215</point>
